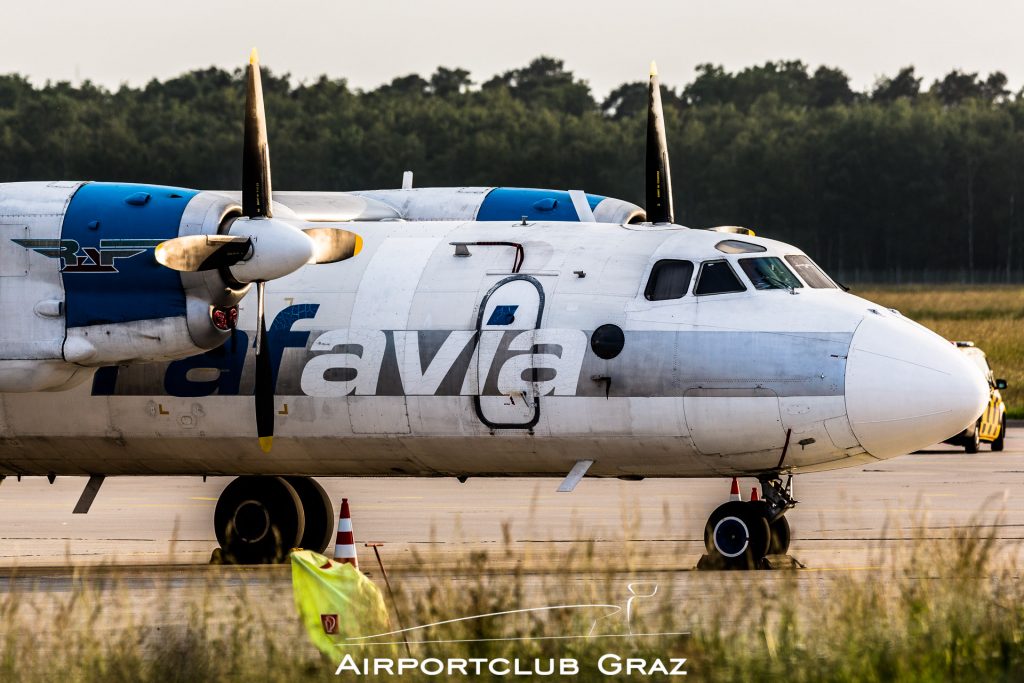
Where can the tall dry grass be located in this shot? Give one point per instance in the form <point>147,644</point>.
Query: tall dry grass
<point>949,609</point>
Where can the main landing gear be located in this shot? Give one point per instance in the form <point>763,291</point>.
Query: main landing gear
<point>740,534</point>
<point>258,520</point>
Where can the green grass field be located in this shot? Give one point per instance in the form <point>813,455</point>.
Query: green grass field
<point>992,316</point>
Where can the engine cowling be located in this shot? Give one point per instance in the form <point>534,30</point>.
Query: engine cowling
<point>80,288</point>
<point>500,204</point>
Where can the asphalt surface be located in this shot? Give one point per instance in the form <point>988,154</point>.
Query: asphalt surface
<point>846,518</point>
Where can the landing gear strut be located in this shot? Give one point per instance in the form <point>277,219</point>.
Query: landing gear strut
<point>740,534</point>
<point>258,520</point>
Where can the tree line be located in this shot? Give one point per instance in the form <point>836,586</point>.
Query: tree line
<point>899,179</point>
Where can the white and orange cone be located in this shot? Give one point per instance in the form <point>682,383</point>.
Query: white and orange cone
<point>734,494</point>
<point>345,546</point>
<point>753,495</point>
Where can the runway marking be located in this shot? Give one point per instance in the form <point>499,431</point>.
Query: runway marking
<point>204,498</point>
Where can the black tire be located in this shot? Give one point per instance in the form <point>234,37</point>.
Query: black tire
<point>1000,441</point>
<point>973,441</point>
<point>258,520</point>
<point>781,535</point>
<point>779,531</point>
<point>318,512</point>
<point>736,535</point>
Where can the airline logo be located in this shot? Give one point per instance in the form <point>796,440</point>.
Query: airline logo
<point>444,362</point>
<point>77,259</point>
<point>362,362</point>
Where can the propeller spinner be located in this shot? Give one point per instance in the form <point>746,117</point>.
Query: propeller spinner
<point>259,247</point>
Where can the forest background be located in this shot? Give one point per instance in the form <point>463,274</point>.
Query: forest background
<point>904,182</point>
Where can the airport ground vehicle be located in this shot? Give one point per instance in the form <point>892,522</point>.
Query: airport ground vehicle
<point>991,426</point>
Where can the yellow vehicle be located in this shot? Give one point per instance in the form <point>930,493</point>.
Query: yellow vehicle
<point>991,426</point>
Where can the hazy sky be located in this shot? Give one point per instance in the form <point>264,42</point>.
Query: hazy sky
<point>115,41</point>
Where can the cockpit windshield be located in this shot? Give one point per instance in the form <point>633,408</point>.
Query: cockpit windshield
<point>810,272</point>
<point>769,272</point>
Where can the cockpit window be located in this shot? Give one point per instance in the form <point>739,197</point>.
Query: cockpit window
<point>810,272</point>
<point>669,279</point>
<point>716,277</point>
<point>738,247</point>
<point>769,272</point>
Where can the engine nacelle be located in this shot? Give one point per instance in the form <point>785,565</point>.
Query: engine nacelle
<point>79,287</point>
<point>501,204</point>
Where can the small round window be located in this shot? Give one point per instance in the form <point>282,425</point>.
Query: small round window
<point>607,341</point>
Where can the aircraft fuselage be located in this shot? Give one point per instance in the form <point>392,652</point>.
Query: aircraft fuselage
<point>438,352</point>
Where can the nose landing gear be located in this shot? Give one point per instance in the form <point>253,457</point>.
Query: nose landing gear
<point>741,534</point>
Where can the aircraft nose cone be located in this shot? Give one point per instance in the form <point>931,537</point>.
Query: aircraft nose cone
<point>907,387</point>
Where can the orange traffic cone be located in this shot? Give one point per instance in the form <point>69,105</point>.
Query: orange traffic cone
<point>345,546</point>
<point>734,494</point>
<point>753,495</point>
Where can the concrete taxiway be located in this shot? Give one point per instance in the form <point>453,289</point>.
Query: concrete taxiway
<point>844,519</point>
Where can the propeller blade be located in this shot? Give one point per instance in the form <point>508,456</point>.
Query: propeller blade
<point>194,253</point>
<point>264,389</point>
<point>659,181</point>
<point>256,192</point>
<point>331,245</point>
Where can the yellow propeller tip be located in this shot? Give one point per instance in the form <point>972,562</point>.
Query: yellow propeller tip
<point>359,245</point>
<point>654,68</point>
<point>266,442</point>
<point>254,57</point>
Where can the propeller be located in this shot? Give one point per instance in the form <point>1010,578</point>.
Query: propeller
<point>258,247</point>
<point>194,253</point>
<point>263,391</point>
<point>658,178</point>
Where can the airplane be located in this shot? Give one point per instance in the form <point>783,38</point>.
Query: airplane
<point>443,332</point>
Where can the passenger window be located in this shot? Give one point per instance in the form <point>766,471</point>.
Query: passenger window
<point>810,272</point>
<point>769,272</point>
<point>716,277</point>
<point>669,280</point>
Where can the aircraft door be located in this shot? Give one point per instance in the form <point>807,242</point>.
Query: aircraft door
<point>506,395</point>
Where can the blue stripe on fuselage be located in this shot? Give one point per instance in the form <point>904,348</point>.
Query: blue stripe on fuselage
<point>512,203</point>
<point>129,285</point>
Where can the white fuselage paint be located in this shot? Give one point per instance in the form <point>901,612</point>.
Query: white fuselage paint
<point>400,363</point>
